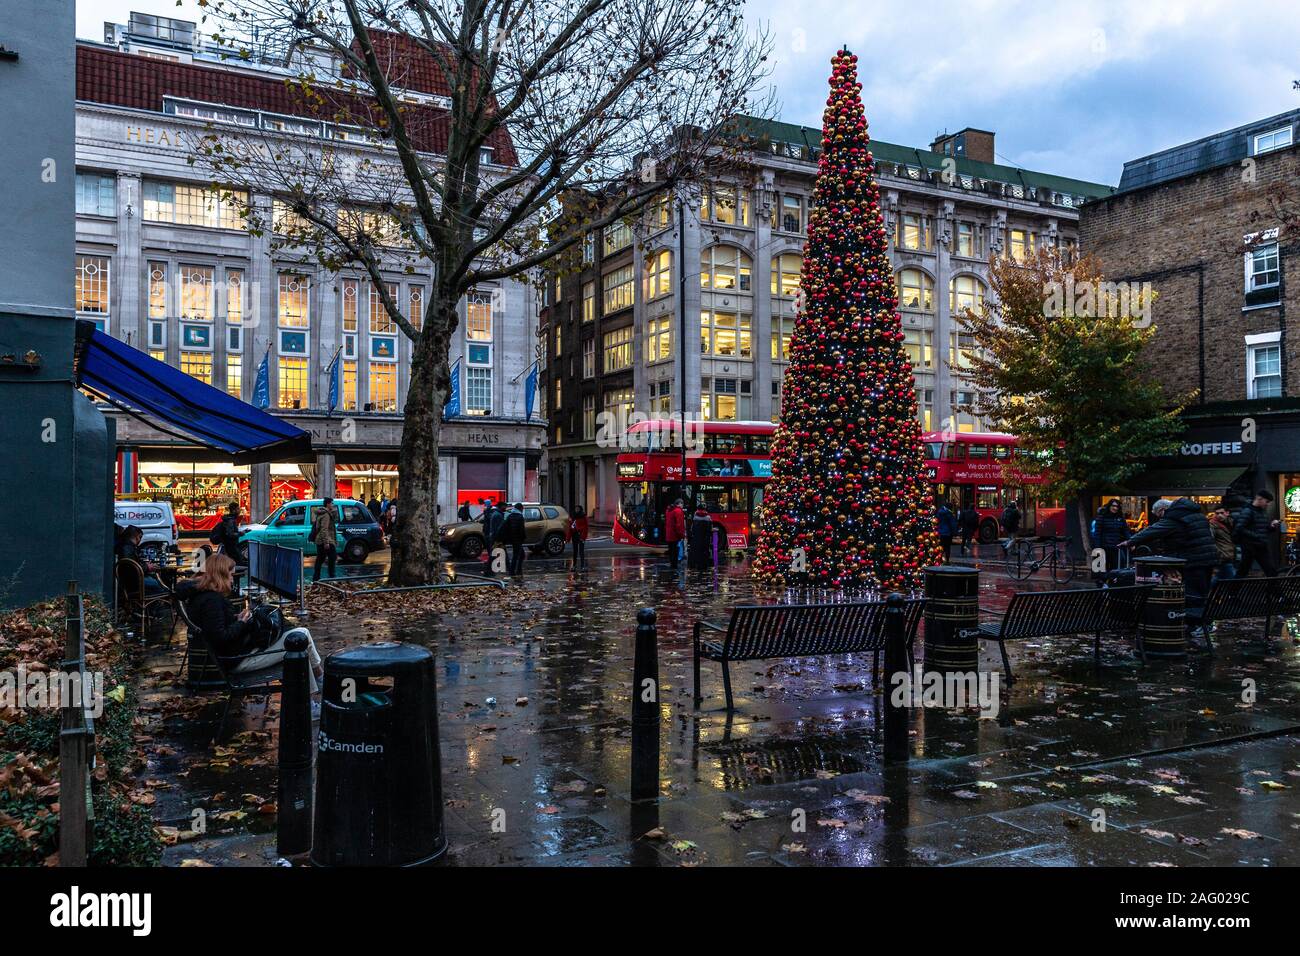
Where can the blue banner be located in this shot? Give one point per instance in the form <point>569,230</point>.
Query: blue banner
<point>262,389</point>
<point>334,383</point>
<point>452,408</point>
<point>530,393</point>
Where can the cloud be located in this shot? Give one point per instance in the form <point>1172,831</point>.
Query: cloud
<point>1070,87</point>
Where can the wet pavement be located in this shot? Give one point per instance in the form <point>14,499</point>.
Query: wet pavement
<point>1185,762</point>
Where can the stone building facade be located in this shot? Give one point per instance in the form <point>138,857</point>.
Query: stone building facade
<point>612,327</point>
<point>165,265</point>
<point>1212,225</point>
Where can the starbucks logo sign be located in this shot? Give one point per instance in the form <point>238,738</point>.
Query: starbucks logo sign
<point>1292,500</point>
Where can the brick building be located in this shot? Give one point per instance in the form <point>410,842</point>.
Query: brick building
<point>611,324</point>
<point>1211,225</point>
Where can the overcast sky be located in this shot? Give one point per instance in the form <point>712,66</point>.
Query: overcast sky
<point>1070,87</point>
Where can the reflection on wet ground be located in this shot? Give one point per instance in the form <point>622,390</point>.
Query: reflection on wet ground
<point>1165,764</point>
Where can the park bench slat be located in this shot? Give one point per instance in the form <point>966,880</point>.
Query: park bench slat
<point>765,632</point>
<point>1237,599</point>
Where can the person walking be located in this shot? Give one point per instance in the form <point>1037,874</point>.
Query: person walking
<point>1181,530</point>
<point>577,533</point>
<point>462,513</point>
<point>675,532</point>
<point>1010,523</point>
<point>373,507</point>
<point>701,540</point>
<point>1109,531</point>
<point>493,518</point>
<point>324,526</point>
<point>513,532</point>
<point>226,534</point>
<point>1253,530</point>
<point>1221,525</point>
<point>968,523</point>
<point>945,523</point>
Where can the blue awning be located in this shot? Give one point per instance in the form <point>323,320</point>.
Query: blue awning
<point>174,402</point>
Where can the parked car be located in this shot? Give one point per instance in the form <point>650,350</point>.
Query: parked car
<point>155,519</point>
<point>357,533</point>
<point>544,529</point>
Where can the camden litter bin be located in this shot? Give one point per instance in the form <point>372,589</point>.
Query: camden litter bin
<point>378,773</point>
<point>1162,628</point>
<point>952,619</point>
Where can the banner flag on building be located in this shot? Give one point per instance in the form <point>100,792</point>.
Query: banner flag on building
<point>530,392</point>
<point>452,408</point>
<point>334,382</point>
<point>262,389</point>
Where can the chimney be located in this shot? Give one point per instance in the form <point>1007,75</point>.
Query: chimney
<point>970,143</point>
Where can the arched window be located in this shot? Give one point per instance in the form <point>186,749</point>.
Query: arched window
<point>725,268</point>
<point>785,274</point>
<point>915,290</point>
<point>965,292</point>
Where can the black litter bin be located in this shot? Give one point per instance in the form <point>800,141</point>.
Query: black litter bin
<point>378,773</point>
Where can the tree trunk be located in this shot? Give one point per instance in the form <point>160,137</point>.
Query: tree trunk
<point>416,554</point>
<point>1083,503</point>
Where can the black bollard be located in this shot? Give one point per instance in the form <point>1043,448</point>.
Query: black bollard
<point>294,804</point>
<point>895,663</point>
<point>645,708</point>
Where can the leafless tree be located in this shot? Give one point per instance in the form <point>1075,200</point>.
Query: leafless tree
<point>619,98</point>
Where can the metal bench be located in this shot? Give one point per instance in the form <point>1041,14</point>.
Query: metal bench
<point>1238,599</point>
<point>764,632</point>
<point>1080,611</point>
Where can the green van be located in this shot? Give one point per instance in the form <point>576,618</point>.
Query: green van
<point>357,531</point>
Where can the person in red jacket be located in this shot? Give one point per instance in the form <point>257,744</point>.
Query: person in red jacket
<point>674,531</point>
<point>578,535</point>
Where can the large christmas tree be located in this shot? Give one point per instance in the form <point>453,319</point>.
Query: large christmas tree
<point>848,504</point>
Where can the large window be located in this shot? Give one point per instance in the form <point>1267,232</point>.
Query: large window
<point>234,296</point>
<point>589,358</point>
<point>1263,269</point>
<point>725,268</point>
<point>617,286</point>
<point>588,417</point>
<point>383,386</point>
<point>792,213</point>
<point>965,292</point>
<point>785,274</point>
<point>187,205</point>
<point>478,317</point>
<point>292,300</point>
<point>1022,244</point>
<point>235,375</point>
<point>912,231</point>
<point>96,195</point>
<point>658,276</point>
<point>1274,139</point>
<point>725,204</point>
<point>962,348</point>
<point>659,339</point>
<point>782,336</point>
<point>197,300</point>
<point>618,403</point>
<point>293,382</point>
<point>967,240</point>
<point>919,346</point>
<point>92,286</point>
<point>724,399</point>
<point>1264,369</point>
<point>381,323</point>
<point>589,302</point>
<point>915,290</point>
<point>349,396</point>
<point>618,349</point>
<point>725,334</point>
<point>617,235</point>
<point>198,365</point>
<point>478,390</point>
<point>286,222</point>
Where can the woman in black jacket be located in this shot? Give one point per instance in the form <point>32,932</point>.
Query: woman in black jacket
<point>1109,531</point>
<point>207,602</point>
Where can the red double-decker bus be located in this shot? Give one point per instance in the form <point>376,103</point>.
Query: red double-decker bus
<point>727,465</point>
<point>979,469</point>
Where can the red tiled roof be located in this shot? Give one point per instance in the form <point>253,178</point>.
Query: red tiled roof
<point>125,79</point>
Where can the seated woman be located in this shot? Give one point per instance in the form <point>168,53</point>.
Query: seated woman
<point>207,601</point>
